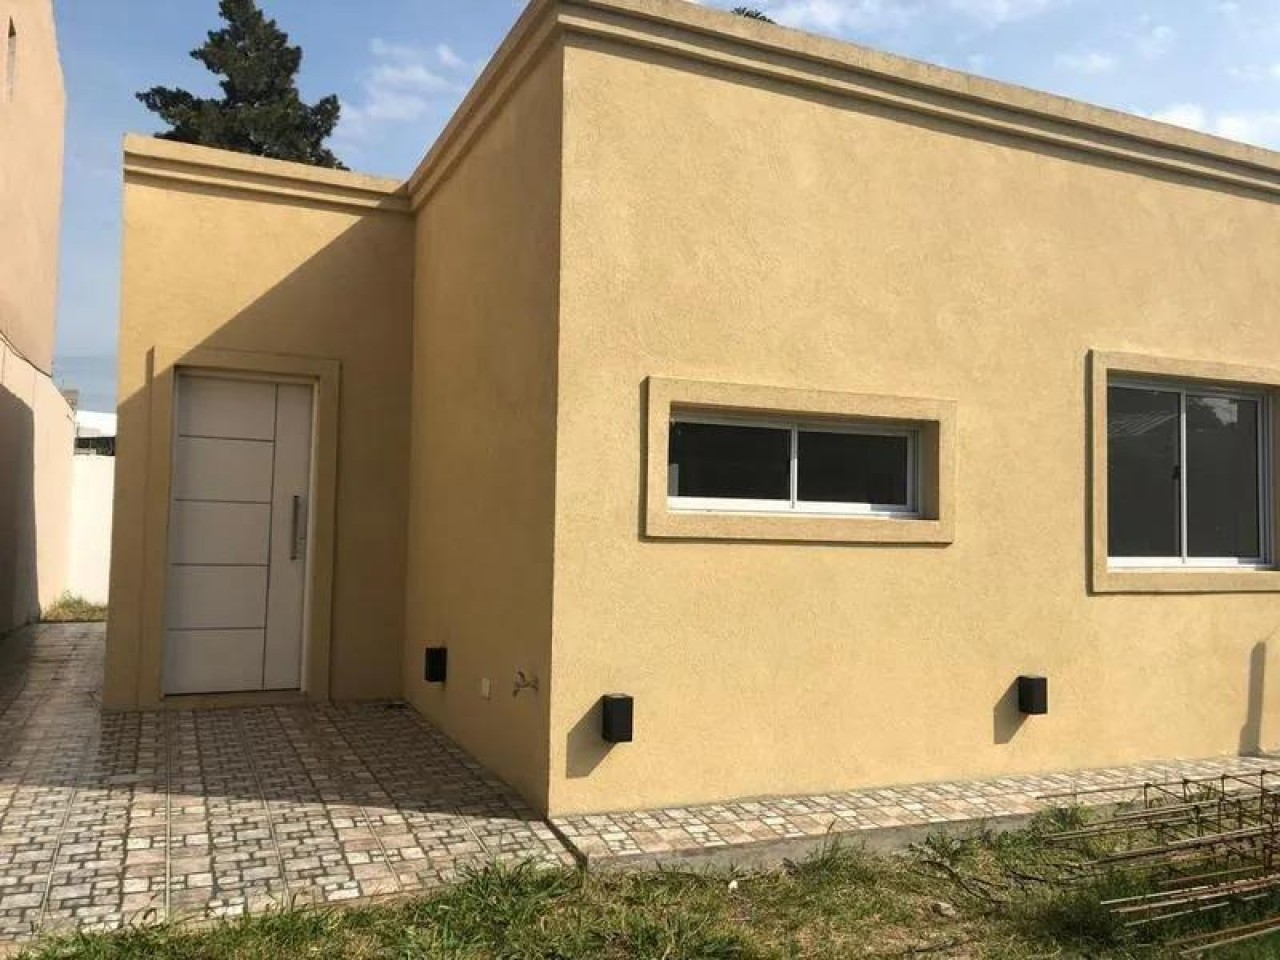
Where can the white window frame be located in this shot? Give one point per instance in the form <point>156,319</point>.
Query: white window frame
<point>908,511</point>
<point>1265,474</point>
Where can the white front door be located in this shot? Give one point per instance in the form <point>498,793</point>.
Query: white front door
<point>237,574</point>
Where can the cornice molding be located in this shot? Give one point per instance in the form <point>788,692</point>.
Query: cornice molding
<point>697,34</point>
<point>533,34</point>
<point>691,32</point>
<point>148,158</point>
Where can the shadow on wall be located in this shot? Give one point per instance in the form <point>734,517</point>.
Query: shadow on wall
<point>1251,732</point>
<point>586,749</point>
<point>1007,718</point>
<point>19,591</point>
<point>350,300</point>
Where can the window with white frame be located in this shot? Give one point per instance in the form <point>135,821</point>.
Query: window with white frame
<point>767,465</point>
<point>1187,475</point>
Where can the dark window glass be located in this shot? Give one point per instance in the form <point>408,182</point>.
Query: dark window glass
<point>714,460</point>
<point>1144,488</point>
<point>852,468</point>
<point>1222,477</point>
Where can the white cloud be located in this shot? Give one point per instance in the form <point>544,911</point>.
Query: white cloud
<point>1260,127</point>
<point>996,12</point>
<point>843,17</point>
<point>449,59</point>
<point>399,86</point>
<point>1254,72</point>
<point>1089,61</point>
<point>1183,115</point>
<point>1157,41</point>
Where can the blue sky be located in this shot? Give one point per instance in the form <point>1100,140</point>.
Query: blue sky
<point>401,66</point>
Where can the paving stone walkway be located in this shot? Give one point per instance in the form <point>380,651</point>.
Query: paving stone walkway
<point>754,832</point>
<point>107,819</point>
<point>110,819</point>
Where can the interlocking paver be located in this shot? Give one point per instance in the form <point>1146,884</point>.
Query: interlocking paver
<point>681,833</point>
<point>111,819</point>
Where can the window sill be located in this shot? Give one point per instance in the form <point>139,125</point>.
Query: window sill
<point>708,507</point>
<point>1108,579</point>
<point>794,527</point>
<point>934,419</point>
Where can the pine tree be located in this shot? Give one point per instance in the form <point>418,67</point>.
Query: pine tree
<point>260,111</point>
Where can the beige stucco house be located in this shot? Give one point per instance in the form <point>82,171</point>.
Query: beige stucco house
<point>36,428</point>
<point>808,396</point>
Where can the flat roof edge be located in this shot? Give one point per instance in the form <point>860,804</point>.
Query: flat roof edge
<point>690,31</point>
<point>152,158</point>
<point>533,32</point>
<point>695,33</point>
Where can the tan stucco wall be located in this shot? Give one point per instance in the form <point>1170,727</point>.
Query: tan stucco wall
<point>35,421</point>
<point>228,253</point>
<point>778,235</point>
<point>480,533</point>
<point>644,191</point>
<point>31,129</point>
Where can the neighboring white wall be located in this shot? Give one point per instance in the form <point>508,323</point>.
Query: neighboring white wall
<point>36,440</point>
<point>92,486</point>
<point>54,451</point>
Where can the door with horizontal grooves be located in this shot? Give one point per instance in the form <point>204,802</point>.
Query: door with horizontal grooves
<point>237,565</point>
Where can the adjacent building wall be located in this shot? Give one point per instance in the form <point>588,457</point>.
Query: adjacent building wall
<point>32,117</point>
<point>36,432</point>
<point>484,400</point>
<point>89,535</point>
<point>721,224</point>
<point>269,259</point>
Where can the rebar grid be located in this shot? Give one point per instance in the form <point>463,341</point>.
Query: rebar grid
<point>1207,844</point>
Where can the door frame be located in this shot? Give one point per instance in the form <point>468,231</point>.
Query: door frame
<point>324,375</point>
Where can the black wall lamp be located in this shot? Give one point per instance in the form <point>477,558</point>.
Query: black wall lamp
<point>617,713</point>
<point>1033,695</point>
<point>437,664</point>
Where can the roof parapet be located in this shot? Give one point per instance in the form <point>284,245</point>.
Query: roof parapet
<point>152,158</point>
<point>696,33</point>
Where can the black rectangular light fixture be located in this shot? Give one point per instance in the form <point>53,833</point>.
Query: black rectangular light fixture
<point>617,711</point>
<point>437,664</point>
<point>1033,695</point>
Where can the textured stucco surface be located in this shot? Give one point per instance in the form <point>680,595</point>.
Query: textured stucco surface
<point>221,265</point>
<point>764,234</point>
<point>31,129</point>
<point>647,189</point>
<point>481,524</point>
<point>35,421</point>
<point>37,433</point>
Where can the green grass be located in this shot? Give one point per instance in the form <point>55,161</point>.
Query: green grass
<point>1000,897</point>
<point>69,608</point>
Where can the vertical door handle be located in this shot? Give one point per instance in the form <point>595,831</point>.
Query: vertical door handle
<point>298,528</point>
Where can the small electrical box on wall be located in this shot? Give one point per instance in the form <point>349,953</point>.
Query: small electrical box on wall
<point>1033,695</point>
<point>617,711</point>
<point>437,665</point>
